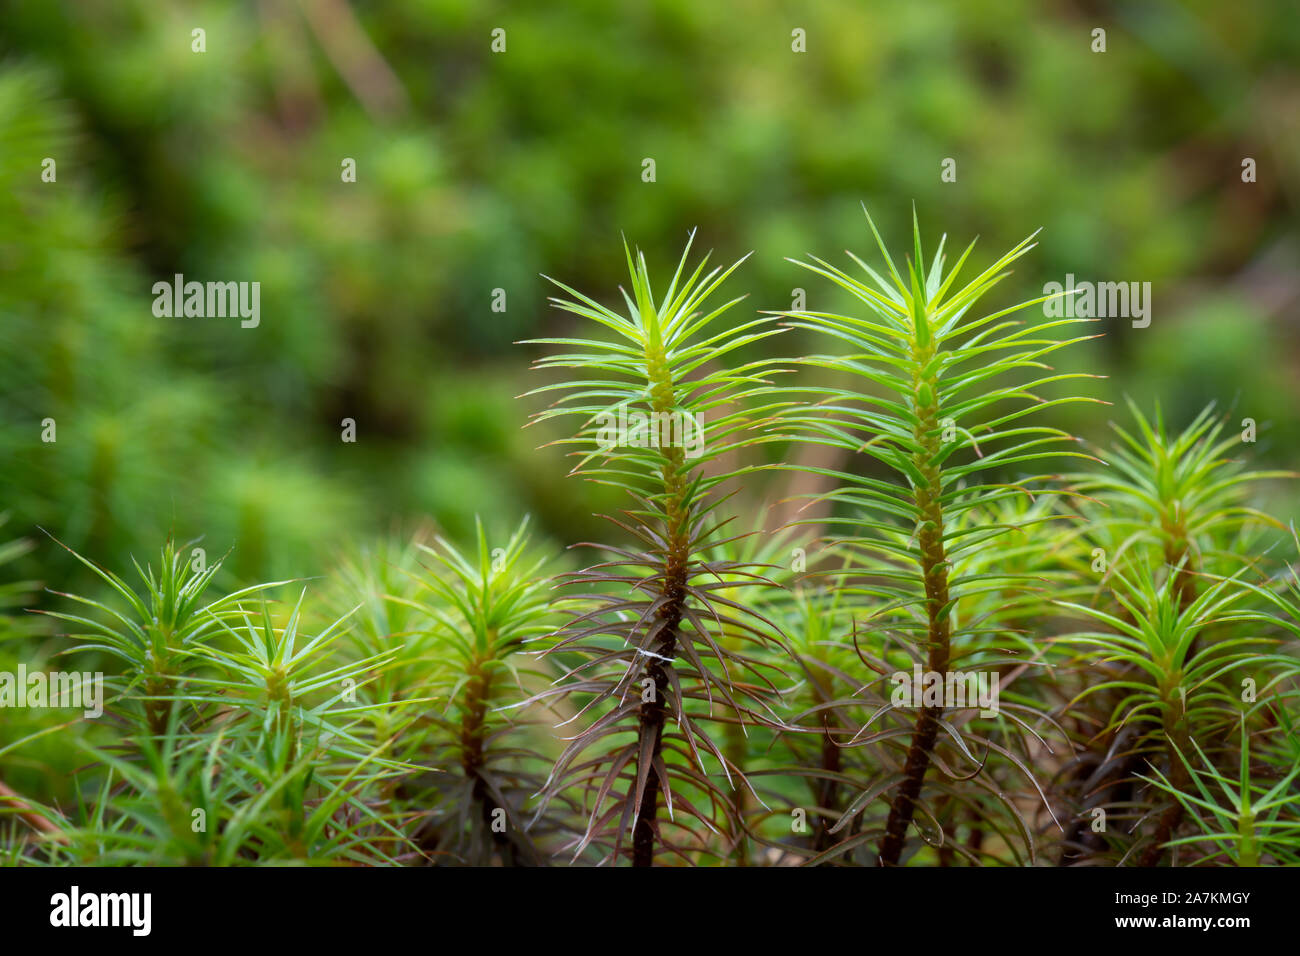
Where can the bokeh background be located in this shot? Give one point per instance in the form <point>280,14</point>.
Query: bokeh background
<point>479,171</point>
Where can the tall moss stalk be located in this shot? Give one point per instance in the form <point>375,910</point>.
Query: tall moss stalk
<point>653,621</point>
<point>934,572</point>
<point>935,392</point>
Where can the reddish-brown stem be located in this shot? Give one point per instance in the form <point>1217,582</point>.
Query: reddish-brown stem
<point>933,560</point>
<point>652,713</point>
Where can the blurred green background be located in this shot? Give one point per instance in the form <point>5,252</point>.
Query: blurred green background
<point>478,170</point>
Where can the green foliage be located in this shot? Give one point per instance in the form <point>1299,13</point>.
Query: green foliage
<point>235,746</point>
<point>476,171</point>
<point>479,170</point>
<point>481,611</point>
<point>1192,630</point>
<point>646,653</point>
<point>1244,821</point>
<point>936,391</point>
<point>719,689</point>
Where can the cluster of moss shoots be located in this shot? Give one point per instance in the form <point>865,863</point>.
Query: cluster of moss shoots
<point>715,691</point>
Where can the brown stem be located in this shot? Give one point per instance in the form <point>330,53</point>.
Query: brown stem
<point>1176,734</point>
<point>827,790</point>
<point>38,821</point>
<point>473,726</point>
<point>651,728</point>
<point>934,569</point>
<point>651,719</point>
<point>652,713</point>
<point>1165,828</point>
<point>904,805</point>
